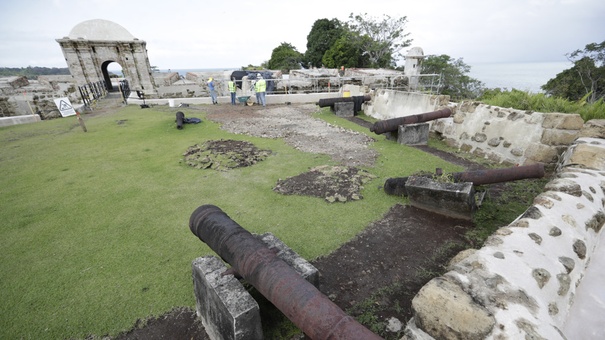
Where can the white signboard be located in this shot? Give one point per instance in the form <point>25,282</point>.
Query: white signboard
<point>65,107</point>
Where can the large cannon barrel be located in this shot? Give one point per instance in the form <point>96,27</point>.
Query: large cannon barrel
<point>324,102</point>
<point>389,125</point>
<point>396,186</point>
<point>490,176</point>
<point>314,313</point>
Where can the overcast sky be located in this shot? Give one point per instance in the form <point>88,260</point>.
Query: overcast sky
<point>221,33</point>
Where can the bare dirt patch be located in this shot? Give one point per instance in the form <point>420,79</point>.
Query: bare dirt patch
<point>333,183</point>
<point>372,277</point>
<point>299,129</point>
<point>224,155</point>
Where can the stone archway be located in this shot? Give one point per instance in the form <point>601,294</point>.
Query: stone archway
<point>94,44</point>
<point>105,73</point>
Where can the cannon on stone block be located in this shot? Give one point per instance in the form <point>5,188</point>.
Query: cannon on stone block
<point>338,103</point>
<point>314,313</point>
<point>392,125</point>
<point>454,195</point>
<point>396,186</point>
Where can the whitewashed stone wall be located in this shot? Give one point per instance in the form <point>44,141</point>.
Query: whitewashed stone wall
<point>503,135</point>
<point>387,104</point>
<point>522,282</point>
<point>508,135</point>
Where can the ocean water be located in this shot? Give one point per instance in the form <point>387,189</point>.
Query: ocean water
<point>521,76</point>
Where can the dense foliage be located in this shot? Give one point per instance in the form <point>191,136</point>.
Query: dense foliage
<point>382,40</point>
<point>347,52</point>
<point>454,79</point>
<point>32,72</point>
<point>285,57</point>
<point>363,41</point>
<point>586,79</point>
<point>322,37</point>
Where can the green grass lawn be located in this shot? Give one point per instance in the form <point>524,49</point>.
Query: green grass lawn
<point>94,226</point>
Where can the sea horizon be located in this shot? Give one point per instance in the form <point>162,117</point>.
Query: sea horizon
<point>524,76</point>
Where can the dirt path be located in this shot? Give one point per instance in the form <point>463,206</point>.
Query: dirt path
<point>295,125</point>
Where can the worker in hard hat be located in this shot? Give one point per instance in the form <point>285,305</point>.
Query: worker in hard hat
<point>260,87</point>
<point>232,89</point>
<point>212,91</point>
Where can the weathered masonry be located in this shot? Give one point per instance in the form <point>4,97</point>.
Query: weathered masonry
<point>94,44</point>
<point>540,276</point>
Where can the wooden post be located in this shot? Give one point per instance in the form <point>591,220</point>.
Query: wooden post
<point>81,121</point>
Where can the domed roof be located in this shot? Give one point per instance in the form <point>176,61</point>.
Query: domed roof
<point>415,52</point>
<point>99,29</point>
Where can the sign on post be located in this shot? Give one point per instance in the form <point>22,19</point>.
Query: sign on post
<point>64,106</point>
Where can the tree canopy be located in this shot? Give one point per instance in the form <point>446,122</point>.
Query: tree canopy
<point>285,57</point>
<point>454,79</point>
<point>386,37</point>
<point>363,41</point>
<point>322,37</point>
<point>346,52</point>
<point>32,72</point>
<point>586,79</point>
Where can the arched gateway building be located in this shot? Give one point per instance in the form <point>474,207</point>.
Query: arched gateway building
<point>94,44</point>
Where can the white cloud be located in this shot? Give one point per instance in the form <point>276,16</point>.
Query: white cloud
<point>188,34</point>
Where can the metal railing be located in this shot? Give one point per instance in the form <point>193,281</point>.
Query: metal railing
<point>425,83</point>
<point>92,92</point>
<point>124,90</point>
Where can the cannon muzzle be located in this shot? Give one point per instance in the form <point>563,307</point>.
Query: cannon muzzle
<point>314,313</point>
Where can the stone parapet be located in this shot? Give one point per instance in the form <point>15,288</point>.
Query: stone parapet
<point>523,281</point>
<point>387,104</point>
<point>508,135</point>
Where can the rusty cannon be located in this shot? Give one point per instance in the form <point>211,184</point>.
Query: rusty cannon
<point>314,313</point>
<point>357,101</point>
<point>396,186</point>
<point>390,125</point>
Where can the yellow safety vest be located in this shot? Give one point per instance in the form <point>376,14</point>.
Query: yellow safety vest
<point>260,86</point>
<point>231,86</point>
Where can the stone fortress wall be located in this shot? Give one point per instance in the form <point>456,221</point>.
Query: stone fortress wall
<point>503,135</point>
<point>24,101</point>
<point>533,278</point>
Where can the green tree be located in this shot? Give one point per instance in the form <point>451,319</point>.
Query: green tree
<point>566,85</point>
<point>585,79</point>
<point>251,67</point>
<point>346,52</point>
<point>454,79</point>
<point>386,37</point>
<point>285,57</point>
<point>322,37</point>
<point>32,72</point>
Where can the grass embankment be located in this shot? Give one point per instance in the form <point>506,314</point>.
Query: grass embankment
<point>94,231</point>
<point>539,102</point>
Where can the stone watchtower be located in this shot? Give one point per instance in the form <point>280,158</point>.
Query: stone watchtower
<point>412,66</point>
<point>94,44</point>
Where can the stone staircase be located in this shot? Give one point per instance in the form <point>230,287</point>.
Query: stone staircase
<point>110,103</point>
